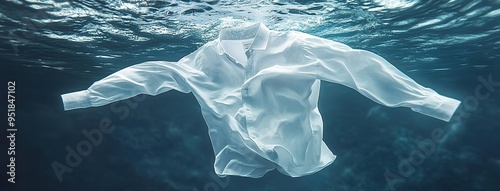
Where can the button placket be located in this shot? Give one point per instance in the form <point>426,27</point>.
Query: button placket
<point>245,92</point>
<point>248,68</point>
<point>248,72</point>
<point>249,64</point>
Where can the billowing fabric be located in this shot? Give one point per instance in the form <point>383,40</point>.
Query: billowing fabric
<point>258,91</point>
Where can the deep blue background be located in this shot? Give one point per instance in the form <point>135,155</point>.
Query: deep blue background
<point>163,144</point>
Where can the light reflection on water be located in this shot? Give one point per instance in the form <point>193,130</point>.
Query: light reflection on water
<point>404,31</point>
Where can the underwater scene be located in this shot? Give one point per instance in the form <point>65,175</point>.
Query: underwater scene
<point>79,113</point>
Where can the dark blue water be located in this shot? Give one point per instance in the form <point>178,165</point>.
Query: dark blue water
<point>51,47</point>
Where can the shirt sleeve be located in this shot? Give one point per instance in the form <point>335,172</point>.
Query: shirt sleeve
<point>374,77</point>
<point>152,78</point>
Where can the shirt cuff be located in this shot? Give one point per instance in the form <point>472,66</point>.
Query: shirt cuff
<point>439,107</point>
<point>75,100</point>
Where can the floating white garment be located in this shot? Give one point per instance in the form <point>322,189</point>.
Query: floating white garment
<point>258,90</point>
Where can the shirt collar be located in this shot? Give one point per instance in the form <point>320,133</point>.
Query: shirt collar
<point>258,31</point>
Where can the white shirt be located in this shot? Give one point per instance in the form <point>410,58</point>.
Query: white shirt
<point>258,91</point>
